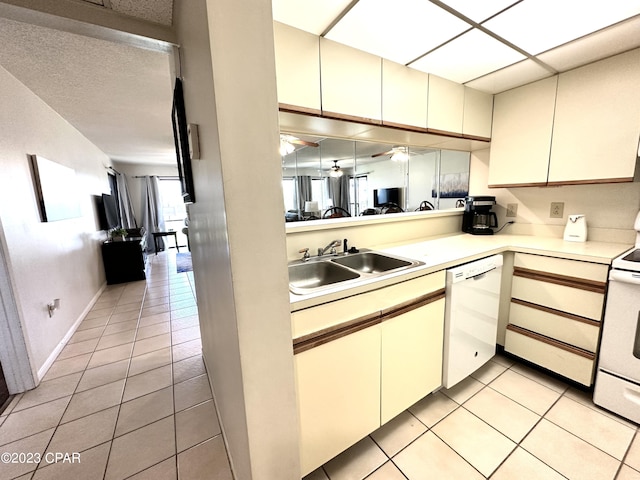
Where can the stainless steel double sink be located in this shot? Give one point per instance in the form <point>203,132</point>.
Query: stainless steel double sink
<point>329,272</point>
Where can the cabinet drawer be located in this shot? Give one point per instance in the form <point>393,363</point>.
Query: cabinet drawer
<point>359,308</point>
<point>596,272</point>
<point>328,315</point>
<point>559,297</point>
<point>395,295</point>
<point>555,356</point>
<point>576,331</point>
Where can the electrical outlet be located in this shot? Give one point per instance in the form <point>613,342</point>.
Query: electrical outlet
<point>557,210</point>
<point>512,209</point>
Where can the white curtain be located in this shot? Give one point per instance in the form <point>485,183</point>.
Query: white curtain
<point>152,217</point>
<point>127,216</point>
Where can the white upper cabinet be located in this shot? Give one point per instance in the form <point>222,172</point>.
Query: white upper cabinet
<point>521,135</point>
<point>597,122</point>
<point>446,105</point>
<point>297,67</point>
<point>581,126</point>
<point>351,82</point>
<point>404,95</point>
<point>477,114</point>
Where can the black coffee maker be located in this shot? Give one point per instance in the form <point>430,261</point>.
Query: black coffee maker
<point>478,219</point>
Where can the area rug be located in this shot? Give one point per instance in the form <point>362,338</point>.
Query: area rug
<point>183,262</point>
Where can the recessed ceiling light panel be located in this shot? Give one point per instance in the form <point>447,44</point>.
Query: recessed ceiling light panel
<point>469,56</point>
<point>308,15</point>
<point>479,11</point>
<point>399,31</point>
<point>602,44</point>
<point>539,25</point>
<point>510,77</point>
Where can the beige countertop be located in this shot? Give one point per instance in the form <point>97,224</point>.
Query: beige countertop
<point>445,252</point>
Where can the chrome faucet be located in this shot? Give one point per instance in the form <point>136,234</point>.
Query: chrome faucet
<point>332,246</point>
<point>305,252</point>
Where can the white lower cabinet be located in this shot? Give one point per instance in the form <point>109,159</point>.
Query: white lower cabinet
<point>338,395</point>
<point>360,372</point>
<point>556,313</point>
<point>411,358</point>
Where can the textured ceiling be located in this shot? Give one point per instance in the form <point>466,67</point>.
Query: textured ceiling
<point>157,11</point>
<point>116,95</point>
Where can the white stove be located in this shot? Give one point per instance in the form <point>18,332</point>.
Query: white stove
<point>618,377</point>
<point>629,260</point>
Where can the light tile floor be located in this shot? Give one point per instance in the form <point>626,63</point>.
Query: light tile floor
<point>128,393</point>
<point>505,422</point>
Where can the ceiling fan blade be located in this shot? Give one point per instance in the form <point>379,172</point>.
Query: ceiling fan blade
<point>297,141</point>
<point>389,152</point>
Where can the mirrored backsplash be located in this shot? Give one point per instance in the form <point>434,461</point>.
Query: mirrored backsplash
<point>324,177</point>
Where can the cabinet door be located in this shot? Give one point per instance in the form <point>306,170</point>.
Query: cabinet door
<point>477,114</point>
<point>338,385</point>
<point>351,82</point>
<point>404,95</point>
<point>597,122</point>
<point>297,67</point>
<point>446,105</point>
<point>411,357</point>
<point>521,134</point>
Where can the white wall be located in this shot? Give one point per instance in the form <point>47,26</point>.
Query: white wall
<point>47,260</point>
<point>239,250</point>
<point>610,208</point>
<point>375,231</point>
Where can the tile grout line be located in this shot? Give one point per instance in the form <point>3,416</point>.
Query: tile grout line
<point>39,466</point>
<point>124,386</point>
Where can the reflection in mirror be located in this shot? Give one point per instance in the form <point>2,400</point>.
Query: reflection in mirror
<point>326,177</point>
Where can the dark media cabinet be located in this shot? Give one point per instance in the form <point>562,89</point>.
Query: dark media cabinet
<point>125,260</point>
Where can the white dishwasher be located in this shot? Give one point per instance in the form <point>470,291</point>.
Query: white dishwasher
<point>471,317</point>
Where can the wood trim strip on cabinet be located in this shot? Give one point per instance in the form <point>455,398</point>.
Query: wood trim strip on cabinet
<point>402,308</point>
<point>435,131</point>
<point>402,126</point>
<point>285,107</point>
<point>335,332</point>
<point>514,185</point>
<point>551,341</point>
<point>476,137</point>
<point>350,118</point>
<point>559,313</point>
<point>591,181</point>
<point>565,280</point>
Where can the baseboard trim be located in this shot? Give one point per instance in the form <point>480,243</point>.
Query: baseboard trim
<point>42,371</point>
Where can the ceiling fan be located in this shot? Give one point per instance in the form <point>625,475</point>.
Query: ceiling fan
<point>288,142</point>
<point>335,171</point>
<point>398,154</point>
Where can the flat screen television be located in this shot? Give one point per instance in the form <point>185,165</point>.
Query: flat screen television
<point>107,212</point>
<point>181,140</point>
<point>382,196</point>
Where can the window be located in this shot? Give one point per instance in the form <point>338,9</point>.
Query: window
<point>359,193</point>
<point>174,210</point>
<point>289,193</point>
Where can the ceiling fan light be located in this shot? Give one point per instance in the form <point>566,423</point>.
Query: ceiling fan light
<point>336,171</point>
<point>286,147</point>
<point>400,155</point>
